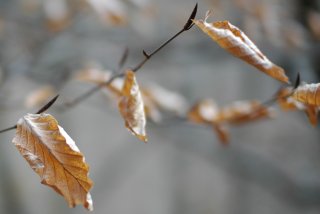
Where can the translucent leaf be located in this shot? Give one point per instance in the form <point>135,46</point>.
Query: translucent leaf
<point>308,94</point>
<point>238,44</point>
<point>243,112</point>
<point>54,156</point>
<point>131,107</point>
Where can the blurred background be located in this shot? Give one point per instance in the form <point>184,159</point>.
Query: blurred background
<point>271,166</point>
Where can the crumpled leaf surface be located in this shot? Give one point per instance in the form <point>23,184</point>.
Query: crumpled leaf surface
<point>131,107</point>
<point>288,102</point>
<point>308,94</point>
<point>232,39</point>
<point>54,156</point>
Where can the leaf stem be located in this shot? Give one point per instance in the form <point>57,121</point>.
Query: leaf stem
<point>189,24</point>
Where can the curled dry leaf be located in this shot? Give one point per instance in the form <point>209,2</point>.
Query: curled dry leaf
<point>244,111</point>
<point>232,39</point>
<point>54,156</point>
<point>166,100</point>
<point>99,76</point>
<point>288,102</point>
<point>308,94</point>
<point>110,11</point>
<point>131,107</point>
<point>40,96</point>
<point>206,112</point>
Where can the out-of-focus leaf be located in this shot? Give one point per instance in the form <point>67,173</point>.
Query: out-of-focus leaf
<point>57,14</point>
<point>131,107</point>
<point>308,94</point>
<point>238,44</point>
<point>151,109</point>
<point>54,156</point>
<point>205,111</point>
<point>222,133</point>
<point>244,111</point>
<point>99,76</point>
<point>313,21</point>
<point>40,96</point>
<point>287,102</point>
<point>167,100</point>
<point>111,11</point>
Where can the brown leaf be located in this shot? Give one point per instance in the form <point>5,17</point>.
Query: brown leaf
<point>99,76</point>
<point>166,100</point>
<point>287,102</point>
<point>40,96</point>
<point>131,106</point>
<point>222,133</point>
<point>312,113</point>
<point>308,94</point>
<point>244,111</point>
<point>238,44</point>
<point>54,156</point>
<point>284,100</point>
<point>205,111</point>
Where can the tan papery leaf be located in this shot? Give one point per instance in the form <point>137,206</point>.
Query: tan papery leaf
<point>54,156</point>
<point>222,133</point>
<point>167,100</point>
<point>204,111</point>
<point>244,111</point>
<point>99,76</point>
<point>238,44</point>
<point>308,94</point>
<point>312,113</point>
<point>131,107</point>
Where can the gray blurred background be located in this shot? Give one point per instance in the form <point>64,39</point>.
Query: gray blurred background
<point>272,166</point>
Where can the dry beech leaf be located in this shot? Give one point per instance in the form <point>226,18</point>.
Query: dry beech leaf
<point>313,21</point>
<point>222,133</point>
<point>308,94</point>
<point>287,102</point>
<point>131,106</point>
<point>57,14</point>
<point>205,111</point>
<point>166,100</point>
<point>151,109</point>
<point>54,156</point>
<point>244,111</point>
<point>312,113</point>
<point>99,76</point>
<point>39,97</point>
<point>232,39</point>
<point>110,11</point>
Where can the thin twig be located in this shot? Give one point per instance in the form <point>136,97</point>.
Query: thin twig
<point>41,110</point>
<point>189,24</point>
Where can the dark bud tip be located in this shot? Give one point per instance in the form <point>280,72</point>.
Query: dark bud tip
<point>145,54</point>
<point>298,81</point>
<point>189,23</point>
<point>48,105</point>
